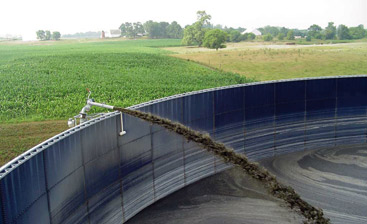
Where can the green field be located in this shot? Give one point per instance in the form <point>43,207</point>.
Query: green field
<point>48,80</point>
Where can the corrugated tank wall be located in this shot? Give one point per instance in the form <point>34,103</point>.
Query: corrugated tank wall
<point>90,174</point>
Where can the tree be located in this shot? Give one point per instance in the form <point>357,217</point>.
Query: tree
<point>174,30</point>
<point>163,29</point>
<point>274,31</point>
<point>281,36</point>
<point>126,29</point>
<point>235,36</point>
<point>196,32</point>
<point>203,17</point>
<point>314,31</point>
<point>152,28</point>
<point>155,31</point>
<point>251,36</point>
<point>131,30</point>
<point>298,32</point>
<point>343,32</point>
<point>189,36</point>
<point>241,29</point>
<point>308,38</point>
<point>214,39</point>
<point>138,29</point>
<point>245,36</point>
<point>41,35</point>
<point>218,26</point>
<point>330,31</point>
<point>268,37</point>
<point>284,31</point>
<point>290,35</point>
<point>357,32</point>
<point>56,35</point>
<point>47,35</point>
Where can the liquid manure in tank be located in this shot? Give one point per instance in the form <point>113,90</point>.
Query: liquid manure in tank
<point>277,189</point>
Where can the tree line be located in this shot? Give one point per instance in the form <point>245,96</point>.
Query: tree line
<point>330,32</point>
<point>46,35</point>
<point>89,34</point>
<point>203,33</point>
<point>159,30</point>
<point>152,29</point>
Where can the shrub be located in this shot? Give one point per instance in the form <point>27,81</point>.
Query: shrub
<point>290,35</point>
<point>214,39</point>
<point>251,36</point>
<point>281,36</point>
<point>268,37</point>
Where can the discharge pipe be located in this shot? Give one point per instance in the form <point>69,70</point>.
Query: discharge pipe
<point>83,116</point>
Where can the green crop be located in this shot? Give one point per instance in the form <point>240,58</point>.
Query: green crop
<point>39,82</point>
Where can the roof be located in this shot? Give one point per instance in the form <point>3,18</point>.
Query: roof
<point>115,32</point>
<point>254,31</point>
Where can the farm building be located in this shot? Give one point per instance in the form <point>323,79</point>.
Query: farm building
<point>115,33</point>
<point>112,33</point>
<point>254,31</point>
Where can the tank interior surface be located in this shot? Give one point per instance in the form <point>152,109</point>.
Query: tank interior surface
<point>332,178</point>
<point>91,174</point>
<point>227,197</point>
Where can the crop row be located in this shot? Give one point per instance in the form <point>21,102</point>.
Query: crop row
<point>49,82</point>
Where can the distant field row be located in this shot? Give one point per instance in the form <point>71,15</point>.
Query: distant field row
<point>47,80</point>
<point>269,61</point>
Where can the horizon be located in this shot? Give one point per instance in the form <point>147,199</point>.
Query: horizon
<point>84,16</point>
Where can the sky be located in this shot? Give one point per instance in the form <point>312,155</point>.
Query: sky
<point>25,17</point>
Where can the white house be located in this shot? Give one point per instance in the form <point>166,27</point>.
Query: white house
<point>115,33</point>
<point>254,31</point>
<point>112,33</point>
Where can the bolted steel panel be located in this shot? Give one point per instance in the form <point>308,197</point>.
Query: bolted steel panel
<point>90,174</point>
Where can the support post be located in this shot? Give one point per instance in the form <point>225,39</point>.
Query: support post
<point>122,126</point>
